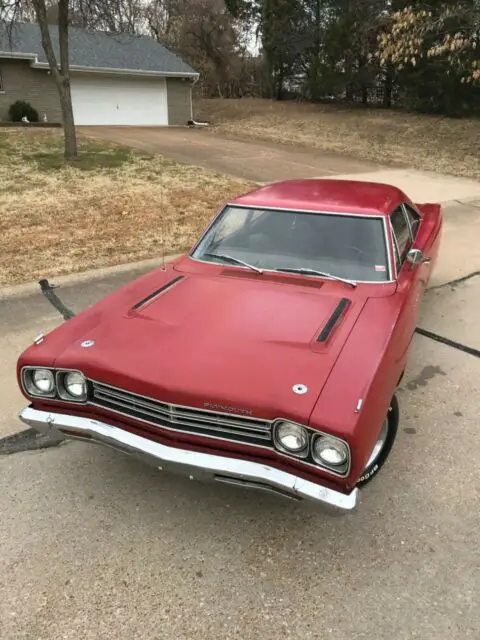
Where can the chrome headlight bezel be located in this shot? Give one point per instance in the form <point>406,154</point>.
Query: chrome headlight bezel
<point>59,392</point>
<point>302,432</point>
<point>338,445</point>
<point>62,386</point>
<point>29,386</point>
<point>307,455</point>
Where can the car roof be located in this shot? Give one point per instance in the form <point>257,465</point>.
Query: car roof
<point>326,195</point>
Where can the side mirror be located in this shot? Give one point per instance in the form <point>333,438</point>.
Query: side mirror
<point>415,257</point>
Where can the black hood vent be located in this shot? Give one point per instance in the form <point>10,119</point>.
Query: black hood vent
<point>332,321</point>
<point>156,293</point>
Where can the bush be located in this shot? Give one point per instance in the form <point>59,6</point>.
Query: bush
<point>21,108</point>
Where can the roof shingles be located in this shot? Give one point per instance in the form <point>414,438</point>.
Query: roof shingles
<point>100,50</point>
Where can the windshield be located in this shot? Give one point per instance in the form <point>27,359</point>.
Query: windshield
<point>346,246</point>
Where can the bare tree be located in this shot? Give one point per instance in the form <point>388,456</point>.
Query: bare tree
<point>13,10</point>
<point>115,16</point>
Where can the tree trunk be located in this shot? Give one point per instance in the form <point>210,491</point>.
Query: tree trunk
<point>62,74</point>
<point>64,86</point>
<point>70,136</point>
<point>388,86</point>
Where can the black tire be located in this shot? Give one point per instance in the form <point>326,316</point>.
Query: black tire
<point>393,418</point>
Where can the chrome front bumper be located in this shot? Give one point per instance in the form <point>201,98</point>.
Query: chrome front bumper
<point>198,466</point>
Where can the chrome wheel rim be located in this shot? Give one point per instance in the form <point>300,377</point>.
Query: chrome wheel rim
<point>379,444</point>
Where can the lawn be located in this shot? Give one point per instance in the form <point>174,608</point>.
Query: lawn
<point>113,205</point>
<point>388,137</point>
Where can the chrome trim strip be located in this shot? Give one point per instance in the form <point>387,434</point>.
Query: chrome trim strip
<point>350,214</point>
<point>396,249</point>
<point>173,416</point>
<point>125,410</point>
<point>404,209</point>
<point>186,432</point>
<point>179,406</point>
<point>178,418</point>
<point>391,261</point>
<point>328,213</point>
<point>195,465</point>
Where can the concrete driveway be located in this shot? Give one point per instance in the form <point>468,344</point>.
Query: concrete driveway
<point>260,161</point>
<point>93,544</point>
<point>265,162</point>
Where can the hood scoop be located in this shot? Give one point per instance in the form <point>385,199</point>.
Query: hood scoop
<point>154,295</point>
<point>333,320</point>
<point>272,277</point>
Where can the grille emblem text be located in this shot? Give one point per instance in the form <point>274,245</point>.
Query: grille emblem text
<point>221,407</point>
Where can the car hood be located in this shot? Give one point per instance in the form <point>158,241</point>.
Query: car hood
<point>234,344</point>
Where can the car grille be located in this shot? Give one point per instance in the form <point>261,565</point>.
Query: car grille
<point>182,419</point>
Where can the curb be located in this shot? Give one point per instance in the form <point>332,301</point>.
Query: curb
<point>91,275</point>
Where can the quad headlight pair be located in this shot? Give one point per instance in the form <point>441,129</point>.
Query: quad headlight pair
<point>326,451</point>
<point>45,383</point>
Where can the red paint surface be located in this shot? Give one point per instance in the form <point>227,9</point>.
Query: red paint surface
<point>329,196</point>
<point>228,336</point>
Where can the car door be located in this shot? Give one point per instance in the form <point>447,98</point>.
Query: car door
<point>410,279</point>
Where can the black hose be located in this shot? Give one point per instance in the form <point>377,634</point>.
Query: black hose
<point>447,341</point>
<point>47,290</point>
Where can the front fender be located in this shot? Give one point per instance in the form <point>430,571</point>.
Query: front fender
<point>357,394</point>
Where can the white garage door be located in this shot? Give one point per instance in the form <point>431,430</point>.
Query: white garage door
<point>119,101</point>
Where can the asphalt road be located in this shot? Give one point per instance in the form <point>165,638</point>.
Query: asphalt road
<point>93,544</point>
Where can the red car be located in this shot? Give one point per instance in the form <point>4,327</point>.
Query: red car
<point>267,357</point>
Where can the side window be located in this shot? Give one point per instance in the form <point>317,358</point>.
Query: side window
<point>401,231</point>
<point>413,219</point>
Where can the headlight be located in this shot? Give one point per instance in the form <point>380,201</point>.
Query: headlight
<point>292,438</point>
<point>43,380</point>
<point>72,386</point>
<point>39,382</point>
<point>330,452</point>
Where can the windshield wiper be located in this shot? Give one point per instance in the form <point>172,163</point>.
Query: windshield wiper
<point>323,274</point>
<point>233,260</point>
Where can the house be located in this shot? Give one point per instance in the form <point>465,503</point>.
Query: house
<point>116,79</point>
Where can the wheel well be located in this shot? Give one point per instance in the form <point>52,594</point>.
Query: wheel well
<point>401,378</point>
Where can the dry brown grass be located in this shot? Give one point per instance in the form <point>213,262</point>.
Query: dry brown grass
<point>106,209</point>
<point>386,137</point>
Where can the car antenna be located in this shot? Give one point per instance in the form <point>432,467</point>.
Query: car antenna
<point>162,216</point>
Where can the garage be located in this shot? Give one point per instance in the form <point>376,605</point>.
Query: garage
<point>100,100</point>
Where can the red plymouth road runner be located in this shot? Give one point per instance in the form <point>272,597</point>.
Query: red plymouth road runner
<point>267,357</point>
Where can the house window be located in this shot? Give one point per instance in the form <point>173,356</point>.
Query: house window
<point>1,81</point>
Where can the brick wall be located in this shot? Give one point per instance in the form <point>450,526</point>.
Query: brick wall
<point>20,82</point>
<point>179,100</point>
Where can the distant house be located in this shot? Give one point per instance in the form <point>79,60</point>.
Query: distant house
<point>116,79</point>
